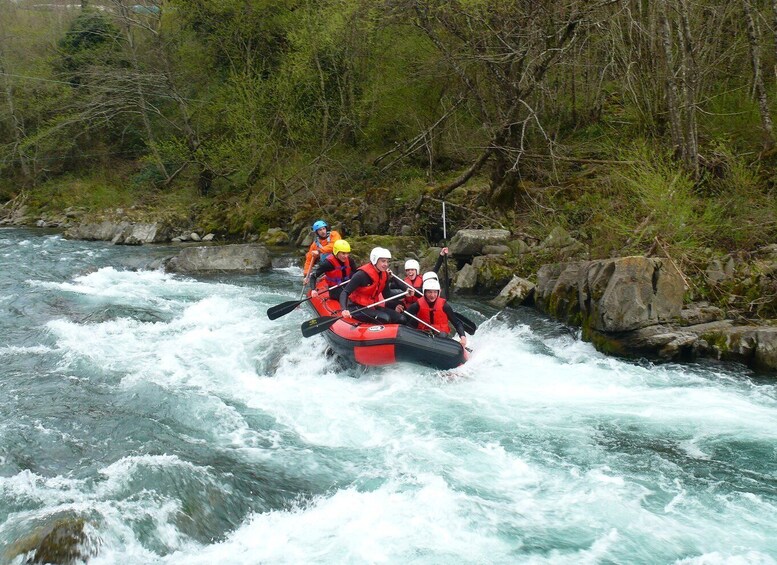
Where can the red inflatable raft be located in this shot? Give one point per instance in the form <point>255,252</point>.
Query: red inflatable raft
<point>373,344</point>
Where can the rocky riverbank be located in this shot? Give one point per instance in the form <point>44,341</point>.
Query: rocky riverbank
<point>628,306</point>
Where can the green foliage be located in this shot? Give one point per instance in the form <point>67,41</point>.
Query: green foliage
<point>92,38</point>
<point>732,120</point>
<point>92,194</point>
<point>742,214</point>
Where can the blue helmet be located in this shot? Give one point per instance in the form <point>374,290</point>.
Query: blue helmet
<point>318,224</point>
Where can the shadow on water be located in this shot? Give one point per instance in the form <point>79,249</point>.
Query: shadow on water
<point>114,312</point>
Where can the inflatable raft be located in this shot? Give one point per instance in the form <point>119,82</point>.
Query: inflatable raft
<point>384,344</point>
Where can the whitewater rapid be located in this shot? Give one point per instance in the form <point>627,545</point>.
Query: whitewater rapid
<point>184,426</point>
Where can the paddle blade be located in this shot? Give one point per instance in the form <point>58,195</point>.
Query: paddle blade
<point>275,312</point>
<point>317,325</point>
<point>469,326</point>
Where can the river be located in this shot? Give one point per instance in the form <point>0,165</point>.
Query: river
<point>183,426</point>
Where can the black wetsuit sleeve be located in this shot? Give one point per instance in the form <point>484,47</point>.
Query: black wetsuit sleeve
<point>394,284</point>
<point>321,269</point>
<point>359,278</point>
<point>438,264</point>
<point>454,319</point>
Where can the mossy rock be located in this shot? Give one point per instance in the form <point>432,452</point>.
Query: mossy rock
<point>494,271</point>
<point>718,341</point>
<point>604,344</point>
<point>563,305</point>
<point>63,542</point>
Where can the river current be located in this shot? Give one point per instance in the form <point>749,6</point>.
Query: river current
<point>183,426</point>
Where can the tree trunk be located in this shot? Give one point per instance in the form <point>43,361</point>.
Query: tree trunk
<point>17,124</point>
<point>758,83</point>
<point>774,27</point>
<point>672,96</point>
<point>690,85</point>
<point>324,103</point>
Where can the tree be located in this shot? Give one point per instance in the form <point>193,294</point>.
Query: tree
<point>753,41</point>
<point>502,53</point>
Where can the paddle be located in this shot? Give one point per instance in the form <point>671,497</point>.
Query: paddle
<point>318,325</point>
<point>275,312</point>
<point>445,244</point>
<point>469,326</point>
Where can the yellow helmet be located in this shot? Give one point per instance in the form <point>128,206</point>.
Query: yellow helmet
<point>341,245</point>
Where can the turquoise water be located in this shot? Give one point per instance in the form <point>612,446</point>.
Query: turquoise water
<point>185,427</point>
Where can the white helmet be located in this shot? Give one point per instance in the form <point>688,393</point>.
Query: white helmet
<point>431,284</point>
<point>379,253</point>
<point>430,275</point>
<point>412,264</point>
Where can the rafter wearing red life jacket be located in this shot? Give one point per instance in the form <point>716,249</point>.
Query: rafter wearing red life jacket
<point>417,284</point>
<point>340,273</point>
<point>366,295</point>
<point>433,314</point>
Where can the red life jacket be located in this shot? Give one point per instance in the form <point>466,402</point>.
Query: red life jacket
<point>373,292</point>
<point>433,315</point>
<point>417,284</point>
<point>341,272</point>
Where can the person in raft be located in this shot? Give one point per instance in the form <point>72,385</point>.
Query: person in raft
<point>436,312</point>
<point>337,268</point>
<point>366,287</point>
<point>323,240</point>
<point>413,278</point>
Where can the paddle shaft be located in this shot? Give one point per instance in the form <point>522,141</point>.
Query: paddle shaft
<point>445,244</point>
<point>417,319</point>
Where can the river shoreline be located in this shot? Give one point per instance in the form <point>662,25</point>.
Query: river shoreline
<point>685,332</point>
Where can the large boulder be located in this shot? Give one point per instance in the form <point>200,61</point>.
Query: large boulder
<point>611,295</point>
<point>517,291</point>
<point>145,233</point>
<point>275,236</point>
<point>120,233</point>
<point>494,272</point>
<point>700,313</point>
<point>466,279</point>
<point>64,541</point>
<point>755,346</point>
<point>239,258</point>
<point>468,243</point>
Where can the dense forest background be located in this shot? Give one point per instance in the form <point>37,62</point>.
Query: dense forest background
<point>636,125</point>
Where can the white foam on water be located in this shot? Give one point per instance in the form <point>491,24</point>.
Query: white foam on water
<point>139,288</point>
<point>10,350</point>
<point>398,522</point>
<point>721,558</point>
<point>500,460</point>
<point>293,270</point>
<point>110,512</point>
